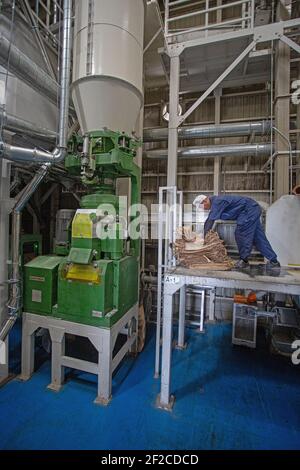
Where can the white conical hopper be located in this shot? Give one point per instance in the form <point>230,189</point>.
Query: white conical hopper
<point>107,88</point>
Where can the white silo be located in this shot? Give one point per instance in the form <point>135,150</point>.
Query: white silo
<point>108,64</point>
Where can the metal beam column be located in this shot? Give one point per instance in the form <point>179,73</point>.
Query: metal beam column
<point>165,400</point>
<point>296,14</point>
<point>173,120</point>
<point>282,111</point>
<point>5,207</point>
<point>217,161</point>
<point>181,321</point>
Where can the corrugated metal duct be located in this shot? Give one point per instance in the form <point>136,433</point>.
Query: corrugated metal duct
<point>237,150</point>
<point>27,70</point>
<point>213,131</point>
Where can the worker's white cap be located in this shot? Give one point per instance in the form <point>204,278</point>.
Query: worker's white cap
<point>199,200</point>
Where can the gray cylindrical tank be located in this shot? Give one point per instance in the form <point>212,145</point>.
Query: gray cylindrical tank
<point>108,63</point>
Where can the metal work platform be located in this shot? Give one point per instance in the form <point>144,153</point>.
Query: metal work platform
<point>103,340</point>
<point>176,279</point>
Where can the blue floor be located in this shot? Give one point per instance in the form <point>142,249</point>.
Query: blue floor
<point>226,398</point>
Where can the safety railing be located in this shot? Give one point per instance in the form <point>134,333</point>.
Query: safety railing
<point>204,16</point>
<point>169,220</point>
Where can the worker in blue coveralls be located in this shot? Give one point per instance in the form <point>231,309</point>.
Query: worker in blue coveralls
<point>249,230</point>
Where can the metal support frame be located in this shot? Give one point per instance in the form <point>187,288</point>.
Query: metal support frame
<point>176,279</point>
<point>218,81</point>
<point>172,280</point>
<point>167,227</point>
<point>43,13</point>
<point>102,339</point>
<point>173,120</point>
<point>212,303</point>
<point>274,31</point>
<point>202,314</point>
<point>290,43</point>
<point>271,32</point>
<point>5,208</point>
<point>39,39</point>
<point>181,344</point>
<point>240,319</point>
<point>153,39</point>
<point>298,136</point>
<point>282,113</point>
<point>217,161</point>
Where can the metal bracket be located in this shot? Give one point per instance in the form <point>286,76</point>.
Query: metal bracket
<point>162,406</point>
<point>268,32</point>
<point>174,50</point>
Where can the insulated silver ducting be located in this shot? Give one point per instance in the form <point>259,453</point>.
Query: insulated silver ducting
<point>240,150</point>
<point>14,303</point>
<point>65,75</point>
<point>7,327</point>
<point>27,70</point>
<point>20,126</point>
<point>210,131</point>
<point>21,154</point>
<point>15,124</point>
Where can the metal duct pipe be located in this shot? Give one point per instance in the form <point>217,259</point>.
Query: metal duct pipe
<point>212,130</point>
<point>7,327</point>
<point>14,303</point>
<point>240,150</point>
<point>15,124</point>
<point>21,154</point>
<point>65,74</point>
<point>27,70</point>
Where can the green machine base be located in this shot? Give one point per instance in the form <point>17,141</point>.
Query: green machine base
<point>101,300</point>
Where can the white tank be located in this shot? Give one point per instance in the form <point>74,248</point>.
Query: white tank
<point>283,229</point>
<point>107,85</point>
